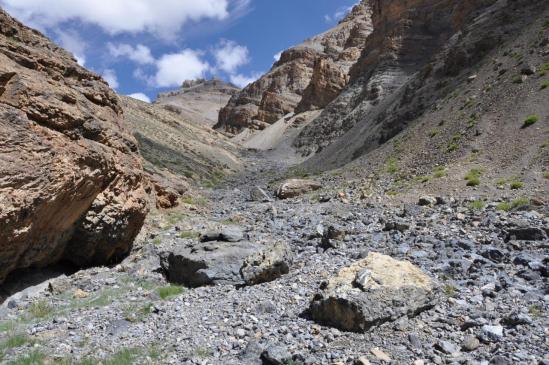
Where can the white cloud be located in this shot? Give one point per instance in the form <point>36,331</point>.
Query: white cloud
<point>110,76</point>
<point>140,96</point>
<point>230,55</point>
<point>173,69</point>
<point>339,14</point>
<point>140,53</point>
<point>277,56</point>
<point>243,81</point>
<point>163,18</point>
<point>72,42</point>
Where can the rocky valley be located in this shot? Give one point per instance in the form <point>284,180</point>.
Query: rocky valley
<point>380,196</point>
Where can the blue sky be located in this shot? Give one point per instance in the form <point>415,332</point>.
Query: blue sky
<point>143,47</point>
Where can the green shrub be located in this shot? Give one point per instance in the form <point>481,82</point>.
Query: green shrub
<point>473,177</point>
<point>40,309</point>
<point>450,290</point>
<point>439,172</point>
<point>515,185</point>
<point>544,84</point>
<point>452,146</point>
<point>477,205</point>
<point>517,79</point>
<point>503,206</point>
<point>169,291</point>
<point>546,174</point>
<point>33,358</point>
<point>434,133</point>
<point>520,202</point>
<point>530,120</point>
<point>392,167</point>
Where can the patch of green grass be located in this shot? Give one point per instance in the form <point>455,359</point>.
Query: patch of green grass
<point>451,147</point>
<point>169,291</point>
<point>391,193</point>
<point>203,352</point>
<point>41,309</point>
<point>14,341</point>
<point>544,84</point>
<point>392,166</point>
<point>136,314</point>
<point>7,326</point>
<point>517,79</point>
<point>439,172</point>
<point>515,185</point>
<point>124,357</point>
<point>546,174</point>
<point>189,235</point>
<point>422,179</point>
<point>520,202</point>
<point>157,241</point>
<point>530,120</point>
<point>33,358</point>
<point>477,205</point>
<point>434,133</point>
<point>504,206</point>
<point>501,182</point>
<point>449,290</point>
<point>473,177</point>
<point>535,311</point>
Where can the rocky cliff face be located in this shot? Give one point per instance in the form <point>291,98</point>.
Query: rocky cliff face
<point>306,77</point>
<point>419,53</point>
<point>199,101</point>
<point>71,180</point>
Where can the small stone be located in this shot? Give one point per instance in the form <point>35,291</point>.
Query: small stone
<point>419,362</point>
<point>491,333</point>
<point>240,332</point>
<point>470,343</point>
<point>80,294</point>
<point>427,201</point>
<point>362,361</point>
<point>446,347</point>
<point>380,355</point>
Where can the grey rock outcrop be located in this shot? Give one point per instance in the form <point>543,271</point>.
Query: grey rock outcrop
<point>233,263</point>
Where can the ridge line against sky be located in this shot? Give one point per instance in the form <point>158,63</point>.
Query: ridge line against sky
<point>144,47</point>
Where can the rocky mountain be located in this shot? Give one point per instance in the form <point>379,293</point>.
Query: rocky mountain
<point>72,186</point>
<point>412,228</point>
<point>199,101</point>
<point>306,77</point>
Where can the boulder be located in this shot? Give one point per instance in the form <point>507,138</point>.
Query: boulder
<point>225,234</point>
<point>295,187</point>
<point>233,263</point>
<point>373,291</point>
<point>72,185</point>
<point>259,195</point>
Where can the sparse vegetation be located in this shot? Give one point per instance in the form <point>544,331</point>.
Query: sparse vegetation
<point>530,120</point>
<point>517,79</point>
<point>503,206</point>
<point>40,309</point>
<point>157,241</point>
<point>189,235</point>
<point>473,177</point>
<point>392,167</point>
<point>535,310</point>
<point>477,205</point>
<point>449,290</point>
<point>439,172</point>
<point>169,291</point>
<point>515,185</point>
<point>202,352</point>
<point>434,133</point>
<point>546,174</point>
<point>33,358</point>
<point>544,84</point>
<point>520,202</point>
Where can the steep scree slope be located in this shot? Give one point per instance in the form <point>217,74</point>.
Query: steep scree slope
<point>71,179</point>
<point>464,75</point>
